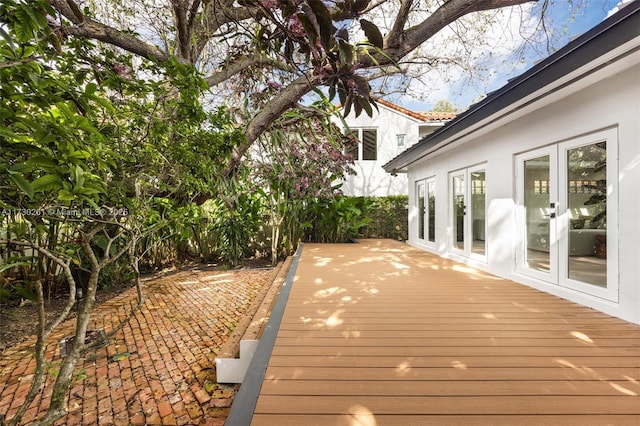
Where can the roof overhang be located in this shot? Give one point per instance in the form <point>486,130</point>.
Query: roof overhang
<point>613,41</point>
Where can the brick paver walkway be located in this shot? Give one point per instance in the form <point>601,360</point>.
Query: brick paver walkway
<point>158,370</point>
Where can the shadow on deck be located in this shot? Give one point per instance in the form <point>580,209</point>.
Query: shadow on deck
<point>379,333</point>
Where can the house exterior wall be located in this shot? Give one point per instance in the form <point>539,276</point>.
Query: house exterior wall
<point>370,178</point>
<point>602,100</point>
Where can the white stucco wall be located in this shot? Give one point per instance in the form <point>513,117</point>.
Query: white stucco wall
<point>370,178</point>
<point>608,98</point>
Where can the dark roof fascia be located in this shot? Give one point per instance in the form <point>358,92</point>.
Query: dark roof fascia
<point>611,33</point>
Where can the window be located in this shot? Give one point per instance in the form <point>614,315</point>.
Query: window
<point>369,144</point>
<point>353,149</point>
<point>367,148</point>
<point>400,140</point>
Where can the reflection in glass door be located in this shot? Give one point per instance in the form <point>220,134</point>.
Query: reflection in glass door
<point>539,209</point>
<point>431,210</point>
<point>478,202</point>
<point>586,193</point>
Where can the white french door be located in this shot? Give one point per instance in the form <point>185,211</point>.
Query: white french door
<point>467,212</point>
<point>567,214</point>
<point>426,199</point>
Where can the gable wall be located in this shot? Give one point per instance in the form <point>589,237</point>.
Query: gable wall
<point>612,102</point>
<point>371,179</point>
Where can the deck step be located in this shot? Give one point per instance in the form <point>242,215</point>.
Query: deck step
<point>235,355</point>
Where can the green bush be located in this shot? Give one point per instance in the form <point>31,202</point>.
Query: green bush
<point>338,220</point>
<point>346,218</point>
<point>388,218</point>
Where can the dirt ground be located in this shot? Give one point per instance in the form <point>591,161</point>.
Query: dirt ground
<point>18,320</point>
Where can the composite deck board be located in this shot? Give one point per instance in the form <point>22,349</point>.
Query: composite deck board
<point>468,361</point>
<point>406,372</point>
<point>353,419</point>
<point>630,336</point>
<point>452,341</point>
<point>456,351</point>
<point>448,405</point>
<point>379,333</point>
<point>443,388</point>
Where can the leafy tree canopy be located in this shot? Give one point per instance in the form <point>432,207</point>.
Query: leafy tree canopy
<point>242,47</point>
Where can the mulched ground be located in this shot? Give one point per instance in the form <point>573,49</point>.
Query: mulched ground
<point>160,369</point>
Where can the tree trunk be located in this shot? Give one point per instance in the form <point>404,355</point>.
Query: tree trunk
<point>41,362</point>
<point>58,407</point>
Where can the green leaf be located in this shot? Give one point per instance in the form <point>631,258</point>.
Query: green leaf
<point>104,103</point>
<point>26,293</point>
<point>323,17</point>
<point>43,161</point>
<point>22,183</point>
<point>90,89</point>
<point>12,265</point>
<point>20,168</point>
<point>45,183</point>
<point>8,134</point>
<point>7,38</point>
<point>120,356</point>
<point>346,52</point>
<point>372,32</point>
<point>65,195</point>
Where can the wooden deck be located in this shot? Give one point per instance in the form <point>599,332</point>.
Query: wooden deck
<point>379,333</point>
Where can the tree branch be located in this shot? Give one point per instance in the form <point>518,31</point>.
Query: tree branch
<point>241,65</point>
<point>397,31</point>
<point>97,31</point>
<point>216,14</point>
<point>182,29</point>
<point>285,100</point>
<point>65,265</point>
<point>413,37</point>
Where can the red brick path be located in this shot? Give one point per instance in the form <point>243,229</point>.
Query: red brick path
<point>158,370</point>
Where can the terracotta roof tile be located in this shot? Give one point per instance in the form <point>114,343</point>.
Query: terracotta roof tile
<point>422,116</point>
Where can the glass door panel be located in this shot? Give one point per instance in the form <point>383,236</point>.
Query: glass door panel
<point>537,216</point>
<point>468,188</point>
<point>459,211</point>
<point>431,215</point>
<point>478,202</point>
<point>586,193</point>
<point>421,209</point>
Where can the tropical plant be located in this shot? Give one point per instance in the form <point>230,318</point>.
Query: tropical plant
<point>296,164</point>
<point>338,220</point>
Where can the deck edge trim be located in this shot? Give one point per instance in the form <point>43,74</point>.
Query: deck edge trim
<point>244,403</point>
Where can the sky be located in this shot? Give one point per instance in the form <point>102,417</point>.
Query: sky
<point>463,93</point>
